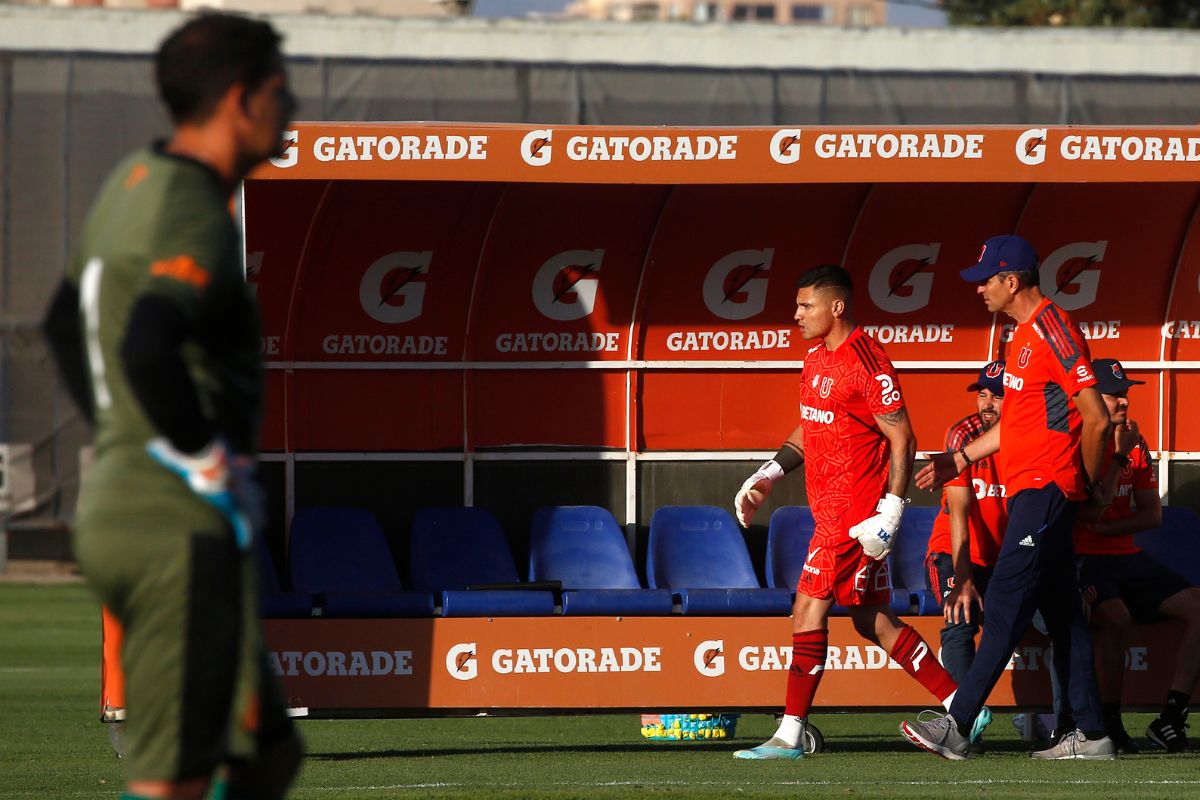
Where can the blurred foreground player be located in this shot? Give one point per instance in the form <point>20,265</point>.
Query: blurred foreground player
<point>857,445</point>
<point>1050,439</point>
<point>157,338</point>
<point>1122,583</point>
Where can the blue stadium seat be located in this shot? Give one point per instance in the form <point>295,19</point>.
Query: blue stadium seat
<point>341,554</point>
<point>584,548</point>
<point>451,549</point>
<point>274,602</point>
<point>788,535</point>
<point>1176,543</point>
<point>910,588</point>
<point>698,552</point>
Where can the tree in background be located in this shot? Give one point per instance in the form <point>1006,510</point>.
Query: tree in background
<point>1080,13</point>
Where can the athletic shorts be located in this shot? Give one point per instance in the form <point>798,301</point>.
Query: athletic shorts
<point>836,567</point>
<point>198,687</point>
<point>939,569</point>
<point>1137,579</point>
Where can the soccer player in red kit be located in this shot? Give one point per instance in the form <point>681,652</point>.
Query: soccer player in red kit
<point>857,445</point>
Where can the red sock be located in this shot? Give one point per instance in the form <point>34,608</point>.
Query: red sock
<point>808,665</point>
<point>911,652</point>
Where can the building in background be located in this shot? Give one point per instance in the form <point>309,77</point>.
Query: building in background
<point>854,13</point>
<point>371,8</point>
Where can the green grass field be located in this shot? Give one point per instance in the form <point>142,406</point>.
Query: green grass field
<point>52,745</point>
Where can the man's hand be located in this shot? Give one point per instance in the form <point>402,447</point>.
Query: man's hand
<point>1126,437</point>
<point>877,534</point>
<point>942,467</point>
<point>962,598</point>
<point>754,491</point>
<point>225,482</point>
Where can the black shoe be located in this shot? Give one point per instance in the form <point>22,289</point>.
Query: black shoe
<point>1124,743</point>
<point>1171,735</point>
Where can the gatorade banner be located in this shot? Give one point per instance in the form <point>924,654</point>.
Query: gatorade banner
<point>649,663</point>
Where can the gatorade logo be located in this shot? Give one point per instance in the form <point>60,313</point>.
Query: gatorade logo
<point>785,146</point>
<point>289,152</point>
<point>565,287</point>
<point>898,282</point>
<point>1031,146</point>
<point>391,290</point>
<point>461,662</point>
<point>535,147</point>
<point>736,286</point>
<point>709,659</point>
<point>1067,276</point>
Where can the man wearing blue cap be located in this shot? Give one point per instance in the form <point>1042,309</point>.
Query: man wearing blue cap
<point>1050,442</point>
<point>1122,583</point>
<point>970,528</point>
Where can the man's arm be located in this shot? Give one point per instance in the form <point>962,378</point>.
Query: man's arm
<point>897,428</point>
<point>755,489</point>
<point>65,336</point>
<point>957,605</point>
<point>1147,517</point>
<point>942,467</point>
<point>1096,429</point>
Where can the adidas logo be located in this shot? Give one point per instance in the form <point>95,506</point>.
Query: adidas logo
<point>1027,541</point>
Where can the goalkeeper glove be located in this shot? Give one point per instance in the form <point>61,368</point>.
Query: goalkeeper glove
<point>877,534</point>
<point>745,504</point>
<point>223,481</point>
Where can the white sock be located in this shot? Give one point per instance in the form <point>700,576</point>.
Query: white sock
<point>949,699</point>
<point>789,730</point>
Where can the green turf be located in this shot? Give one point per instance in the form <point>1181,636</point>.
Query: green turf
<point>52,746</point>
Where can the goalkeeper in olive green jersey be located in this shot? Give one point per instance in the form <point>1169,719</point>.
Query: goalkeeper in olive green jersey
<point>157,338</point>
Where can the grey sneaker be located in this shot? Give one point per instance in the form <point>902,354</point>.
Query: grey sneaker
<point>937,733</point>
<point>1076,745</point>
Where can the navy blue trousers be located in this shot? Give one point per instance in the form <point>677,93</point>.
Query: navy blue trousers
<point>1035,571</point>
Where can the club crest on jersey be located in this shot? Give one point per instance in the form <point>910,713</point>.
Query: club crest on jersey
<point>826,387</point>
<point>1023,358</point>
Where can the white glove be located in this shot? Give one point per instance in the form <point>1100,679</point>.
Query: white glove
<point>877,534</point>
<point>223,481</point>
<point>745,504</point>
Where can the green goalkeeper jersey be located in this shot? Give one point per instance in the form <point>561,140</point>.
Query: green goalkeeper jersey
<point>161,224</point>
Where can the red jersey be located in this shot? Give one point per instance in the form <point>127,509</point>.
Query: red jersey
<point>1048,363</point>
<point>1138,474</point>
<point>988,514</point>
<point>845,452</point>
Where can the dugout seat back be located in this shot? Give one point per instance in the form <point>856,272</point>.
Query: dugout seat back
<point>788,537</point>
<point>699,554</point>
<point>340,554</point>
<point>452,548</point>
<point>584,548</point>
<point>275,603</point>
<point>1176,543</point>
<point>910,587</point>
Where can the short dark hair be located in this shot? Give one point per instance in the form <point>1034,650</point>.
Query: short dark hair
<point>827,276</point>
<point>197,64</point>
<point>1026,277</point>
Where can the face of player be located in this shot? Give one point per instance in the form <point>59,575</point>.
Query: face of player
<point>266,112</point>
<point>816,310</point>
<point>989,406</point>
<point>1118,407</point>
<point>997,291</point>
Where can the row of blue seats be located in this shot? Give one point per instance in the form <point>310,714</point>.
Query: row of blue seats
<point>460,564</point>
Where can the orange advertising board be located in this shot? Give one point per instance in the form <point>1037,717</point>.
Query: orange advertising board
<point>645,663</point>
<point>580,154</point>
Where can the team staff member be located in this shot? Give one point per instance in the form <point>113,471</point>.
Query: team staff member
<point>855,436</point>
<point>1051,441</point>
<point>1121,583</point>
<point>157,337</point>
<point>967,533</point>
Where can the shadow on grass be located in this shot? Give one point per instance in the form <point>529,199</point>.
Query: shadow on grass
<point>844,745</point>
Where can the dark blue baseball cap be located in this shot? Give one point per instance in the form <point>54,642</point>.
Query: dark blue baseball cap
<point>1111,377</point>
<point>1009,253</point>
<point>991,377</point>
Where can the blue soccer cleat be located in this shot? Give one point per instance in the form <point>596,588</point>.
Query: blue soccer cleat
<point>771,750</point>
<point>982,720</point>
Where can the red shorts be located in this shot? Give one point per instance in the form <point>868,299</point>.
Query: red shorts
<point>837,567</point>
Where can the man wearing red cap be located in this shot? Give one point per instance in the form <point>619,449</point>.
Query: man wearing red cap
<point>1121,583</point>
<point>1051,440</point>
<point>970,528</point>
